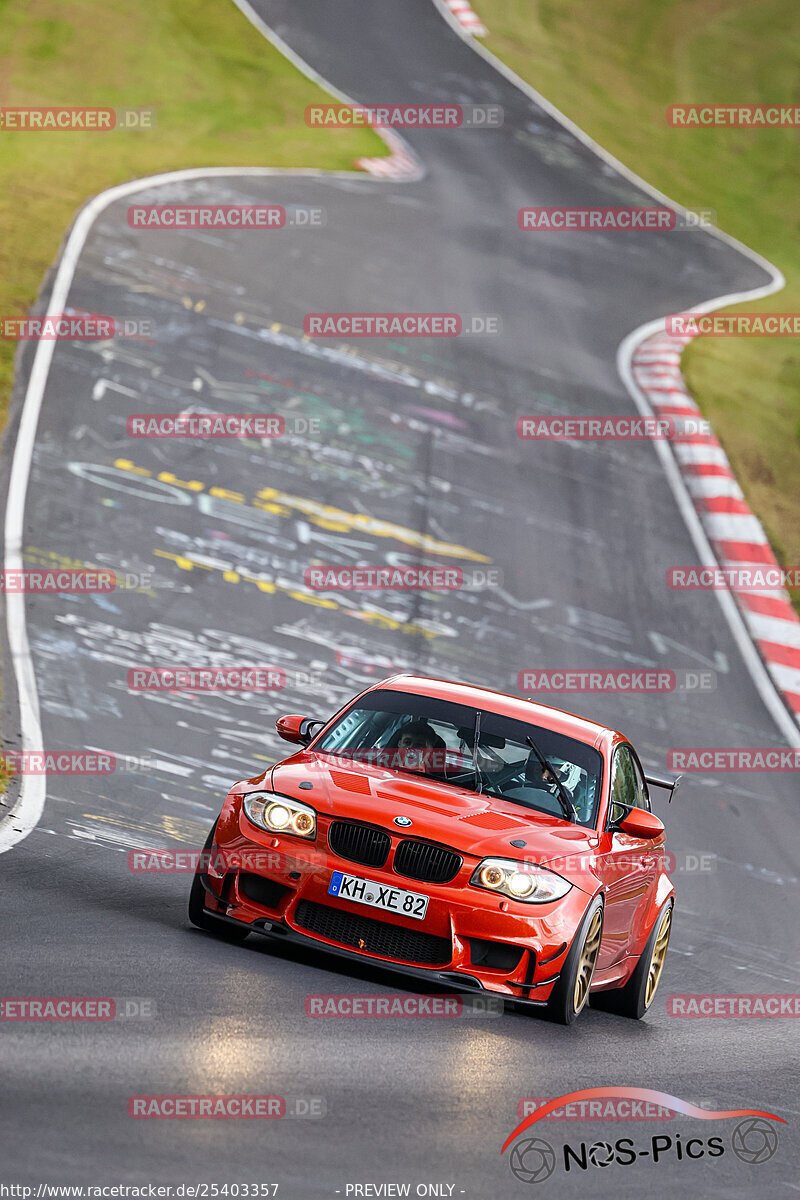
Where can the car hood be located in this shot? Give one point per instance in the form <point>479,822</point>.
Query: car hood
<point>464,820</point>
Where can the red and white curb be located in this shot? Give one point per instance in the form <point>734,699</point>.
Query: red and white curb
<point>400,164</point>
<point>467,18</point>
<point>735,533</point>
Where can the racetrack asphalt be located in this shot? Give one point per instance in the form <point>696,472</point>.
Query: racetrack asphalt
<point>419,433</point>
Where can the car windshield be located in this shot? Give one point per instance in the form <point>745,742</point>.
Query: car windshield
<point>426,736</point>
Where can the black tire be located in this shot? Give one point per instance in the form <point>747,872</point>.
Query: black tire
<point>203,919</point>
<point>633,1000</point>
<point>561,1007</point>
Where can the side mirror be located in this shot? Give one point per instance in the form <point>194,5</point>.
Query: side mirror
<point>641,823</point>
<point>295,728</point>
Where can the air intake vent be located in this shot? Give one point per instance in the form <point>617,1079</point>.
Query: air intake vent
<point>359,843</point>
<point>261,890</point>
<point>373,937</point>
<point>350,782</point>
<point>496,955</point>
<point>491,820</point>
<point>425,861</point>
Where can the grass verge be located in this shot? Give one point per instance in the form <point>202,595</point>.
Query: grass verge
<point>223,97</point>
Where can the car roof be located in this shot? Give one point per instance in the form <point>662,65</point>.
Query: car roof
<point>503,703</point>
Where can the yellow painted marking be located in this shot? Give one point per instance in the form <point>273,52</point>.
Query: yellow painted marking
<point>412,628</point>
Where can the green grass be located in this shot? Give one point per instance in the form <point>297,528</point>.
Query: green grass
<point>6,776</point>
<point>613,66</point>
<point>224,97</point>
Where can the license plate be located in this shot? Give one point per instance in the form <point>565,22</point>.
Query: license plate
<point>378,895</point>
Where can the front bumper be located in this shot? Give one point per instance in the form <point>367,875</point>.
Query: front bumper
<point>464,982</point>
<point>469,939</point>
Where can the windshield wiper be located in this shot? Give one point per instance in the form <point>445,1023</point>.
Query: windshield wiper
<point>563,796</point>
<point>475,736</point>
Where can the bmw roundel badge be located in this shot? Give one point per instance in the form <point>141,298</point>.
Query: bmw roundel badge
<point>404,821</point>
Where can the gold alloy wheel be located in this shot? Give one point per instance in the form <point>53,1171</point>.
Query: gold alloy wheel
<point>591,948</point>
<point>658,957</point>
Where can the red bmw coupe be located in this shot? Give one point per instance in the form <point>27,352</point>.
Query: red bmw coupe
<point>458,834</point>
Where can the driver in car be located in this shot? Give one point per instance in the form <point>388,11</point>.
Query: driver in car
<point>415,743</point>
<point>569,775</point>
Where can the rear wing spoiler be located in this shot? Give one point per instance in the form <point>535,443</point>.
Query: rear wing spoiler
<point>661,781</point>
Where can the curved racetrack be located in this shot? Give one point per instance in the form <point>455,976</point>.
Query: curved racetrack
<point>420,434</point>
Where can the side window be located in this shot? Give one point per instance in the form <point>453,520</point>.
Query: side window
<point>642,798</point>
<point>623,784</point>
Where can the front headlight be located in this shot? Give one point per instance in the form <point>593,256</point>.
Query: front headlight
<point>533,885</point>
<point>280,814</point>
